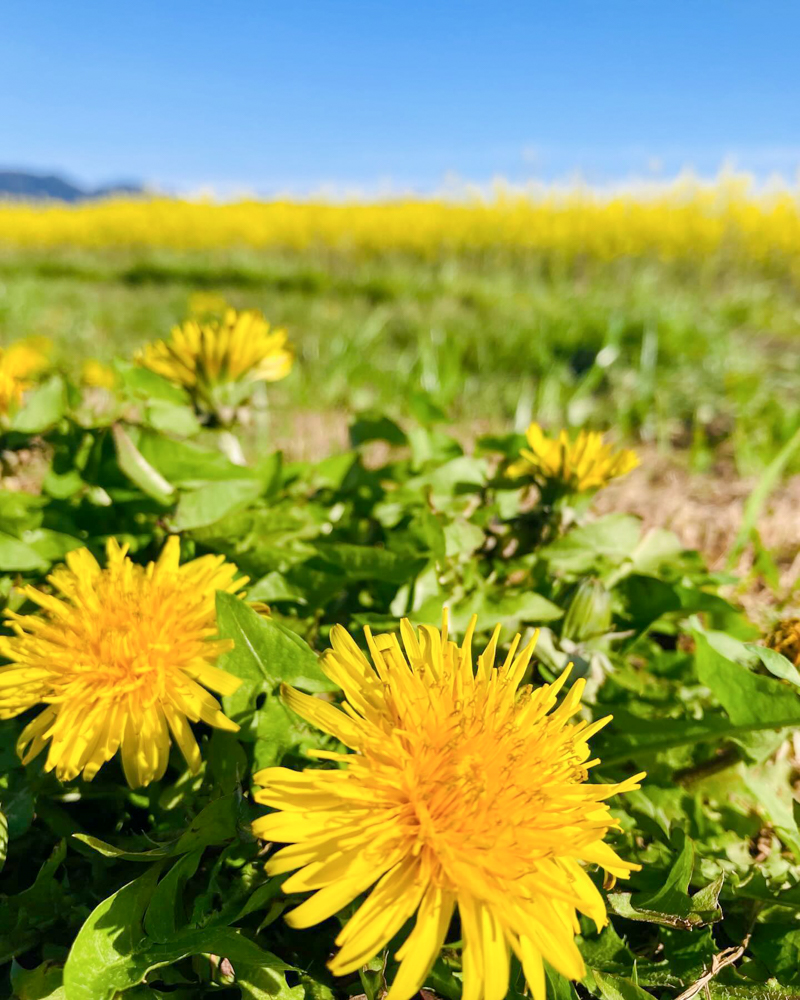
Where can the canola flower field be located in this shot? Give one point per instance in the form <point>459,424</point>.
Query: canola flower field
<point>685,219</point>
<point>409,714</point>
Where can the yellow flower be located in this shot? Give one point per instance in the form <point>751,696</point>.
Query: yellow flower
<point>241,348</point>
<point>96,375</point>
<point>207,304</point>
<point>17,364</point>
<point>785,639</point>
<point>462,790</point>
<point>580,465</point>
<point>117,660</point>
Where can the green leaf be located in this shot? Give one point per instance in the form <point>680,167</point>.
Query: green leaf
<point>214,824</point>
<point>172,418</point>
<point>778,947</point>
<point>112,952</point>
<point>748,698</point>
<point>370,426</point>
<point>462,538</point>
<point>139,470</point>
<point>755,502</point>
<point>51,545</point>
<point>103,959</point>
<point>165,912</point>
<point>265,654</point>
<point>673,896</point>
<point>617,988</point>
<point>227,760</point>
<point>109,851</point>
<point>267,981</point>
<point>211,502</point>
<point>364,562</point>
<point>276,731</point>
<point>275,587</point>
<point>147,384</point>
<point>508,609</point>
<point>187,463</point>
<point>601,544</point>
<point>771,784</point>
<point>671,905</point>
<point>776,663</point>
<point>42,408</point>
<point>631,737</point>
<point>17,556</point>
<point>42,983</point>
<point>558,986</point>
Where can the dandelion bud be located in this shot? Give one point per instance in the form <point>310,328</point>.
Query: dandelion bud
<point>589,613</point>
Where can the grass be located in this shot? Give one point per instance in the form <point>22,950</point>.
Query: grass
<point>691,356</point>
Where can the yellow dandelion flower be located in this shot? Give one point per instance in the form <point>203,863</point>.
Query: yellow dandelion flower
<point>96,375</point>
<point>785,639</point>
<point>207,304</point>
<point>18,363</point>
<point>462,790</point>
<point>118,660</point>
<point>580,465</point>
<point>241,348</point>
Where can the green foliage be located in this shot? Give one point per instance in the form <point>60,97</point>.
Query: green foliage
<point>161,892</point>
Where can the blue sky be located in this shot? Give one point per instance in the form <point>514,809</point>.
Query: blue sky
<point>297,94</point>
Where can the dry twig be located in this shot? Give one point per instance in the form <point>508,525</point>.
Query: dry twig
<point>718,963</point>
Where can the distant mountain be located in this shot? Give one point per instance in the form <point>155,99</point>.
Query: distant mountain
<point>37,187</point>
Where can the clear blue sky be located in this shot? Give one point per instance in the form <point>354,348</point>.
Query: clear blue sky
<point>298,93</point>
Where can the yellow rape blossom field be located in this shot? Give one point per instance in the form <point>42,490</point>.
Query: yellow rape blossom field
<point>686,218</point>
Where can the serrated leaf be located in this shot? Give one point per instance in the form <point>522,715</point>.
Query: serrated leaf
<point>103,959</point>
<point>214,824</point>
<point>613,987</point>
<point>45,982</point>
<point>671,905</point>
<point>165,913</point>
<point>265,654</point>
<point>112,952</point>
<point>267,981</point>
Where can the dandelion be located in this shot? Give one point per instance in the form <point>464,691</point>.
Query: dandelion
<point>785,639</point>
<point>96,375</point>
<point>207,304</point>
<point>18,363</point>
<point>462,789</point>
<point>118,660</point>
<point>577,466</point>
<point>219,361</point>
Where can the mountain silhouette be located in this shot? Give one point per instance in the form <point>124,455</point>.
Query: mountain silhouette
<point>41,187</point>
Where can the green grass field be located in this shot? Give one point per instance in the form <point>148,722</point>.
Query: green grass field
<point>694,357</point>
